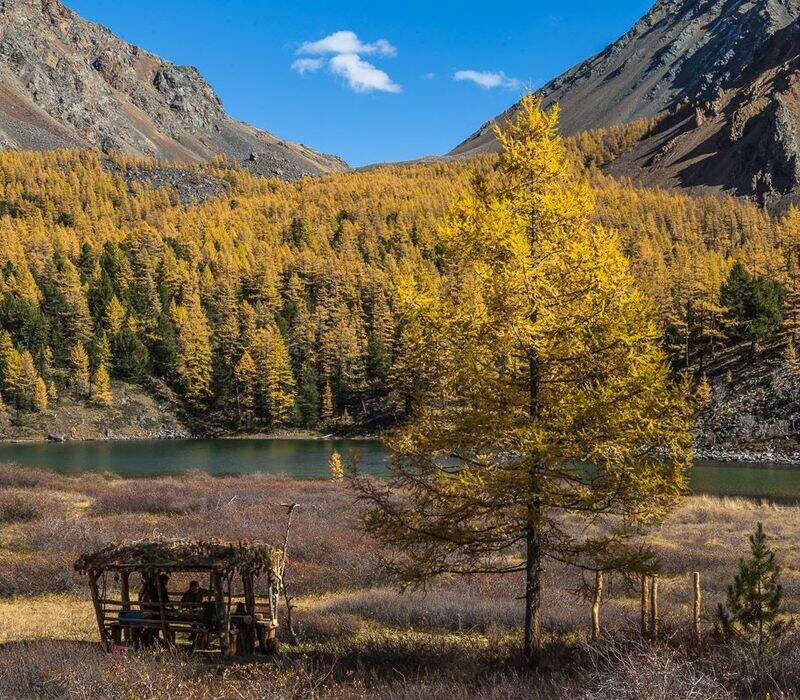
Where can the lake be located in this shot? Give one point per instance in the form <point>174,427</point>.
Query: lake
<point>308,459</point>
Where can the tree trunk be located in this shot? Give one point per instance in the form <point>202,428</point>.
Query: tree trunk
<point>532,649</point>
<point>645,605</point>
<point>596,601</point>
<point>696,581</point>
<point>533,597</point>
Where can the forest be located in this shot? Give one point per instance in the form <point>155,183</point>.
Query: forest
<point>274,305</point>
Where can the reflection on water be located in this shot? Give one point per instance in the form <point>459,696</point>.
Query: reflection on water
<point>308,459</point>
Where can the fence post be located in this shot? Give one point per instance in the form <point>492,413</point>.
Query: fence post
<point>645,604</point>
<point>654,606</point>
<point>696,577</point>
<point>598,594</point>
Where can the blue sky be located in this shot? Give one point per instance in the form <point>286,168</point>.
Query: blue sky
<point>369,81</point>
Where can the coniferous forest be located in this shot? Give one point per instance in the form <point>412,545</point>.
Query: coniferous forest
<point>271,305</point>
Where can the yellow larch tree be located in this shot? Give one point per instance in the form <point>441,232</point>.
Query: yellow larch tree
<point>114,316</point>
<point>101,387</point>
<point>194,351</point>
<point>336,467</point>
<point>10,366</point>
<point>79,370</point>
<point>280,382</point>
<point>547,404</point>
<point>246,380</point>
<point>31,389</point>
<point>327,410</point>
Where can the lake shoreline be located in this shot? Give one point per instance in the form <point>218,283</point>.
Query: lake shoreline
<point>299,434</point>
<point>756,458</point>
<point>764,458</point>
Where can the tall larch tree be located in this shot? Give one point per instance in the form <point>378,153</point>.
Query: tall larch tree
<point>67,305</point>
<point>280,382</point>
<point>194,351</point>
<point>114,317</point>
<point>542,357</point>
<point>246,381</point>
<point>10,367</point>
<point>78,363</point>
<point>31,389</point>
<point>101,387</point>
<point>327,409</point>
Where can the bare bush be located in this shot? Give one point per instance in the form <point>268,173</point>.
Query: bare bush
<point>21,506</point>
<point>161,497</point>
<point>636,669</point>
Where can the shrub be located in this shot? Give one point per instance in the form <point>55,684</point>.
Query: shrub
<point>163,498</point>
<point>19,506</point>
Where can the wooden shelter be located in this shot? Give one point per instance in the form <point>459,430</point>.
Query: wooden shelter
<point>237,613</point>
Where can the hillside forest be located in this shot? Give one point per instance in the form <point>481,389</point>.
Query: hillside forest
<point>267,305</point>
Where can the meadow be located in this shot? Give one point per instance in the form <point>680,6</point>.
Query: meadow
<point>356,635</point>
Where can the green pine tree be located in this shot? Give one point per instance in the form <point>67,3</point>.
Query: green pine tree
<point>755,306</point>
<point>754,599</point>
<point>308,396</point>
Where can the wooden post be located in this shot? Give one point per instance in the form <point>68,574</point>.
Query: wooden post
<point>280,585</point>
<point>125,594</point>
<point>98,608</point>
<point>222,614</point>
<point>598,595</point>
<point>229,608</point>
<point>654,606</point>
<point>645,604</point>
<point>696,578</point>
<point>163,612</point>
<point>250,604</point>
<point>125,590</point>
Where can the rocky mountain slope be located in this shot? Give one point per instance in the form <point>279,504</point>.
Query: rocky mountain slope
<point>65,82</point>
<point>726,76</point>
<point>754,411</point>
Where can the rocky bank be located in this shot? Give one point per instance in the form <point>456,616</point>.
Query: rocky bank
<point>136,415</point>
<point>754,412</point>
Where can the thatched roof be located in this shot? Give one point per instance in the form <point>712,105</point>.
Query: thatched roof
<point>163,554</point>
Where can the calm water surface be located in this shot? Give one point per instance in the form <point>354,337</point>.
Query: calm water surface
<point>302,459</point>
<point>308,459</point>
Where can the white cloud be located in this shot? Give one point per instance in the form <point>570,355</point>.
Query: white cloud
<point>307,65</point>
<point>361,75</point>
<point>487,79</point>
<point>342,52</point>
<point>347,42</point>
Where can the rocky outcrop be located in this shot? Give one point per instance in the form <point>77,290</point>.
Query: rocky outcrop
<point>723,73</point>
<point>65,82</point>
<point>755,406</point>
<point>192,185</point>
<point>136,414</point>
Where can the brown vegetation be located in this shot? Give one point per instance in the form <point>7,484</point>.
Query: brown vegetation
<point>357,635</point>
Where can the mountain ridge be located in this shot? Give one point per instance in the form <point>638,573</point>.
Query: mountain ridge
<point>724,76</point>
<point>66,82</point>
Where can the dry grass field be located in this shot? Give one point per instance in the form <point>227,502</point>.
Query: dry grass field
<point>357,636</point>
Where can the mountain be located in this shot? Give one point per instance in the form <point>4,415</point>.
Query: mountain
<point>723,75</point>
<point>68,83</point>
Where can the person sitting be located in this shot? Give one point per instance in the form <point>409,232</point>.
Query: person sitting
<point>193,597</point>
<point>163,591</point>
<point>192,604</point>
<point>145,635</point>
